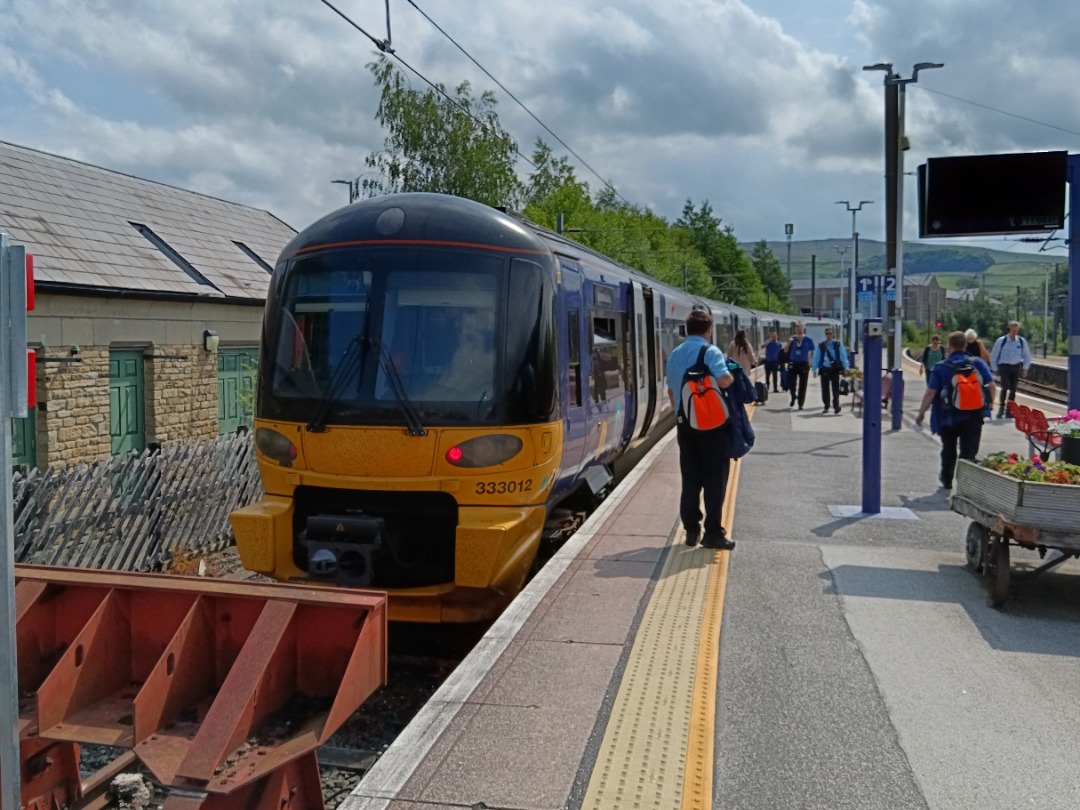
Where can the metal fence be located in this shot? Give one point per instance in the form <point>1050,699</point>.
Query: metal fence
<point>136,512</point>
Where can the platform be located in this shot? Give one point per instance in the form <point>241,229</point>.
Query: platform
<point>827,662</point>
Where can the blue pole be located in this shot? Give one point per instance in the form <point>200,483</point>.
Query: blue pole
<point>1072,173</point>
<point>871,426</point>
<point>897,402</point>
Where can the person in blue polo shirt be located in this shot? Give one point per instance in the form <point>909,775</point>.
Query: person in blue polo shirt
<point>772,351</point>
<point>830,361</point>
<point>703,460</point>
<point>800,352</point>
<point>953,426</point>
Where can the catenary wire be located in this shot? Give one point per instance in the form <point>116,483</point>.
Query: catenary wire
<point>995,109</point>
<point>521,104</point>
<point>383,46</point>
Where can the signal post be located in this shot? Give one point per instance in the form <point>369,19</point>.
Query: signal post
<point>17,371</point>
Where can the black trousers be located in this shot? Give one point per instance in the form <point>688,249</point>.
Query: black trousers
<point>704,466</point>
<point>799,374</point>
<point>1010,378</point>
<point>772,372</point>
<point>830,388</point>
<point>966,433</point>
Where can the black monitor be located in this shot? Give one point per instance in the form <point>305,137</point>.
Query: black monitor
<point>982,195</point>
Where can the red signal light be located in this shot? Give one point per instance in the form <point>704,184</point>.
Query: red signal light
<point>453,455</point>
<point>29,282</point>
<point>31,378</point>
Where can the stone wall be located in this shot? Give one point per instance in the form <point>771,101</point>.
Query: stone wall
<point>73,406</point>
<point>73,414</point>
<point>181,394</point>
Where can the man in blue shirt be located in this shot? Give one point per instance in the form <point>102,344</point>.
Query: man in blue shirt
<point>954,426</point>
<point>772,351</point>
<point>800,351</point>
<point>830,361</point>
<point>1010,359</point>
<point>703,460</point>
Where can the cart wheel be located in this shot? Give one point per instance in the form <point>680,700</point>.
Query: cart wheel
<point>999,573</point>
<point>978,537</point>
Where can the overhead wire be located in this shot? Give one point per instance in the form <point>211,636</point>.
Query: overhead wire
<point>384,46</point>
<point>520,103</point>
<point>995,109</point>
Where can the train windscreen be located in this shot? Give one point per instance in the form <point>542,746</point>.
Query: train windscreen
<point>363,335</point>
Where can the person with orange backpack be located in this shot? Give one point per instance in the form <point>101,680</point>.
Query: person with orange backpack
<point>961,391</point>
<point>697,371</point>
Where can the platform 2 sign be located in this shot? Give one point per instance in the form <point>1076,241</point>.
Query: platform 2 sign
<point>888,284</point>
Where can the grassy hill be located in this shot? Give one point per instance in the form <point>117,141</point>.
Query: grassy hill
<point>955,266</point>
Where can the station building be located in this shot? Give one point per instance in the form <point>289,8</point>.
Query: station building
<point>149,307</point>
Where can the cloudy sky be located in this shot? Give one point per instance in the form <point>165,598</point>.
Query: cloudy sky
<point>759,106</point>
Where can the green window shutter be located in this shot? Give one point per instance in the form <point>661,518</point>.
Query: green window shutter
<point>127,409</point>
<point>24,441</point>
<point>236,388</point>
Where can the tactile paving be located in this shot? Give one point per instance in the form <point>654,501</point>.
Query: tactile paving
<point>657,749</point>
<point>658,745</point>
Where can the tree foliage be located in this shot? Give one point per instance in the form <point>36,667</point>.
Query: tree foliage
<point>773,278</point>
<point>435,142</point>
<point>732,274</point>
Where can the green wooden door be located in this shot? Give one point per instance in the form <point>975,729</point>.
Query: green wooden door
<point>24,441</point>
<point>127,419</point>
<point>236,388</point>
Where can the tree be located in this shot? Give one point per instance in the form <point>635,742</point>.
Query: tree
<point>773,279</point>
<point>435,142</point>
<point>734,279</point>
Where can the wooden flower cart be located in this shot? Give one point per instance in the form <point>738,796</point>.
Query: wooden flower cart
<point>1006,511</point>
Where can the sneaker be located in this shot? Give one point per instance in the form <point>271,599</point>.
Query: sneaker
<point>826,409</point>
<point>692,536</point>
<point>836,409</point>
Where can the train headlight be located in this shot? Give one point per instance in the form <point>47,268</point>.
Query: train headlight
<point>484,451</point>
<point>275,446</point>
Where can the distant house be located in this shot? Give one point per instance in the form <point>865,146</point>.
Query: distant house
<point>149,305</point>
<point>924,298</point>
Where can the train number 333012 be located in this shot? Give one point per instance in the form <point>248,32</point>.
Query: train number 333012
<point>503,487</point>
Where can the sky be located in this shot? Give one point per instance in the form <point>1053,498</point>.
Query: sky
<point>760,107</point>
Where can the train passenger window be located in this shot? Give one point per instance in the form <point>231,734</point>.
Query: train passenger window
<point>607,356</point>
<point>574,343</point>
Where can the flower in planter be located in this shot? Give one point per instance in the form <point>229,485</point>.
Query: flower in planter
<point>1067,425</point>
<point>1034,469</point>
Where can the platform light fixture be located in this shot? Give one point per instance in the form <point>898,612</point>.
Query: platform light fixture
<point>210,340</point>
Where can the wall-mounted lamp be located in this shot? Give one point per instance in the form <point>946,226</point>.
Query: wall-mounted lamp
<point>210,340</point>
<point>74,351</point>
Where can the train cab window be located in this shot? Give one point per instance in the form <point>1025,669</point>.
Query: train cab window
<point>574,343</point>
<point>607,356</point>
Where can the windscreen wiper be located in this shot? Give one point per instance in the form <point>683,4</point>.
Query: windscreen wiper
<point>350,362</point>
<point>412,419</point>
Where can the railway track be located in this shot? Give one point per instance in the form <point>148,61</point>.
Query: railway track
<point>1050,393</point>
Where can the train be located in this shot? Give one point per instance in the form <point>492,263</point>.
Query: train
<point>442,386</point>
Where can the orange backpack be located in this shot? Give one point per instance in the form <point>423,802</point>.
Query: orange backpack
<point>701,405</point>
<point>965,391</point>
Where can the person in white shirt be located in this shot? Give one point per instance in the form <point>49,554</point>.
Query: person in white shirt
<point>1010,359</point>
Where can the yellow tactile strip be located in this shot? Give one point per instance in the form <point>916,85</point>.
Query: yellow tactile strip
<point>658,745</point>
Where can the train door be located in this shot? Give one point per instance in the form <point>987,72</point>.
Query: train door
<point>575,384</point>
<point>644,358</point>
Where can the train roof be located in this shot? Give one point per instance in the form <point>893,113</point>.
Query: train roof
<point>419,217</point>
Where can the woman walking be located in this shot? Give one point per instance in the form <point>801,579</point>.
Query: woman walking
<point>742,353</point>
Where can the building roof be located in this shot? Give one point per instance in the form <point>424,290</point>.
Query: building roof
<point>92,227</point>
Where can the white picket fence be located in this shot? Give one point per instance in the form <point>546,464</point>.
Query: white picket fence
<point>135,512</point>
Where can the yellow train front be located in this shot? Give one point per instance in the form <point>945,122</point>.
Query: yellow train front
<point>407,418</point>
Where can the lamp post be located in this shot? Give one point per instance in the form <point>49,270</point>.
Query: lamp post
<point>843,251</point>
<point>789,229</point>
<point>895,145</point>
<point>354,188</point>
<point>853,333</point>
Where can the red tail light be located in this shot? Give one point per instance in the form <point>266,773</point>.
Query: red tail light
<point>484,451</point>
<point>275,446</point>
